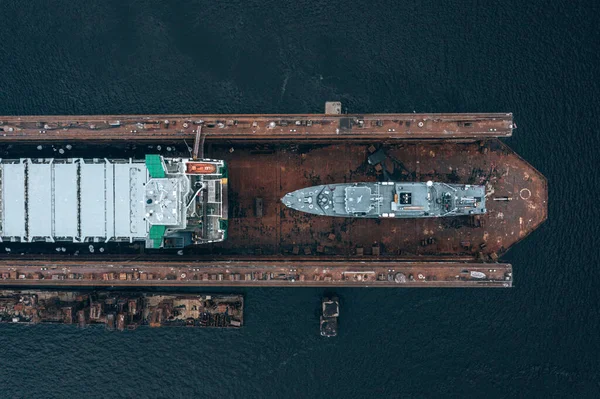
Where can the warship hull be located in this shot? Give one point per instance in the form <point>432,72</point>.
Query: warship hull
<point>389,200</point>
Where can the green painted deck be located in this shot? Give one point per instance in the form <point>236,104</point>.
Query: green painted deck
<point>156,234</point>
<point>154,165</point>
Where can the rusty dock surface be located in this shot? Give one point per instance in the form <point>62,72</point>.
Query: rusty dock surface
<point>516,201</point>
<point>260,128</point>
<point>121,310</point>
<point>255,273</point>
<point>269,244</point>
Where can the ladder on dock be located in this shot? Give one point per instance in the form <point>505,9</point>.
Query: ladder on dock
<point>198,144</point>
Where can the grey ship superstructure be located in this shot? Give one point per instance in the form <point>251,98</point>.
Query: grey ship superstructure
<point>389,200</point>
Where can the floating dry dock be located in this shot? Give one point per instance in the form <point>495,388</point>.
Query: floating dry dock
<point>257,128</point>
<point>120,310</point>
<point>268,156</point>
<point>255,273</point>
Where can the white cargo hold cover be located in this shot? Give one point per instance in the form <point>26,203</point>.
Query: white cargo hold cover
<point>13,199</point>
<point>73,199</point>
<point>65,200</point>
<point>39,200</point>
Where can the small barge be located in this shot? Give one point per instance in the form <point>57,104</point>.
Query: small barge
<point>330,308</point>
<point>121,310</point>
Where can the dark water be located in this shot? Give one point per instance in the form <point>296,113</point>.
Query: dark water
<point>539,61</point>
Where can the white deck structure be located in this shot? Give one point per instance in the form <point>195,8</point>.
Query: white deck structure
<point>73,200</point>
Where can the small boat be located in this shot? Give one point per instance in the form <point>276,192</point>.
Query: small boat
<point>330,312</point>
<point>478,275</point>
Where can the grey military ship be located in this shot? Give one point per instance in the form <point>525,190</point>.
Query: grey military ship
<point>389,200</point>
